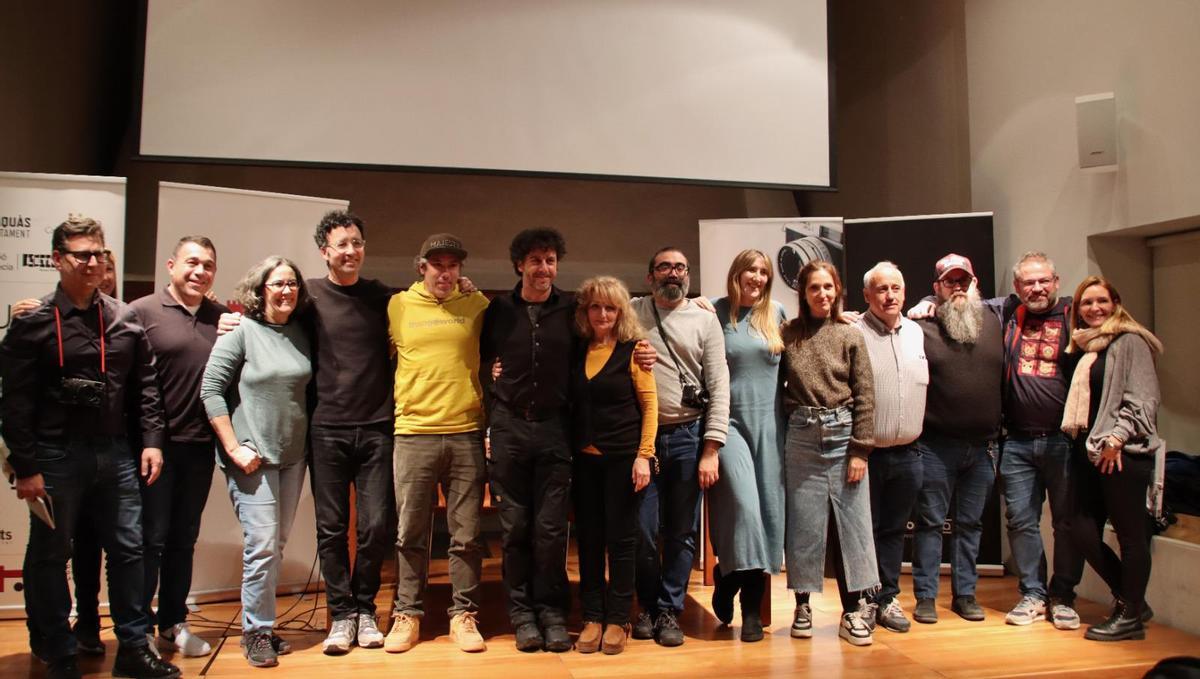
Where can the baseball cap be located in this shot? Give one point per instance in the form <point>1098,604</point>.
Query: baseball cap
<point>951,262</point>
<point>443,243</point>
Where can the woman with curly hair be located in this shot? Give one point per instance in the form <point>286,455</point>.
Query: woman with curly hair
<point>254,390</point>
<point>1111,413</point>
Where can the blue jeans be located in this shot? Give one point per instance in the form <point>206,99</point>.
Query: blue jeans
<point>265,504</point>
<point>896,477</point>
<point>360,457</point>
<point>172,508</point>
<point>1032,469</point>
<point>964,471</point>
<point>670,505</point>
<point>103,468</point>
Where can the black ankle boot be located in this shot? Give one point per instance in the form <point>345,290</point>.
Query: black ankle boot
<point>1124,623</point>
<point>751,597</point>
<point>138,662</point>
<point>724,589</point>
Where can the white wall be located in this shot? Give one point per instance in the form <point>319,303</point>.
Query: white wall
<point>1026,62</point>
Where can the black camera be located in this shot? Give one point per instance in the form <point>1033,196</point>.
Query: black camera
<point>694,397</point>
<point>75,391</point>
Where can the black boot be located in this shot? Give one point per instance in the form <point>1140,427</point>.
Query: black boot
<point>724,589</point>
<point>138,662</point>
<point>1124,623</point>
<point>751,598</point>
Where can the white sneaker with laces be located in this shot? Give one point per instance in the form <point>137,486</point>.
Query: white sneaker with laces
<point>1064,617</point>
<point>180,638</point>
<point>341,636</point>
<point>369,635</point>
<point>1028,610</point>
<point>855,630</point>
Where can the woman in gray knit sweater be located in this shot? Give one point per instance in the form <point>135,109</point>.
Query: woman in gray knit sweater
<point>829,396</point>
<point>260,372</point>
<point>1117,474</point>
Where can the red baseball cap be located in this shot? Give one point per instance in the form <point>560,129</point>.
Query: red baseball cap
<point>951,262</point>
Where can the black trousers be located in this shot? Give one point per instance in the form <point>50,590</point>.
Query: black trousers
<point>1119,497</point>
<point>359,456</point>
<point>531,480</point>
<point>171,511</point>
<point>606,520</point>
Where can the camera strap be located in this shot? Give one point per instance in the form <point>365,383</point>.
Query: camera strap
<point>667,341</point>
<point>58,331</point>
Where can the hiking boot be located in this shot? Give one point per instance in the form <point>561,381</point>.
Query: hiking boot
<point>558,640</point>
<point>1120,625</point>
<point>854,629</point>
<point>406,629</point>
<point>667,631</point>
<point>259,650</point>
<point>925,612</point>
<point>891,618</point>
<point>643,626</point>
<point>802,622</point>
<point>529,637</point>
<point>1028,610</point>
<point>369,635</point>
<point>341,636</point>
<point>967,608</point>
<point>464,631</point>
<point>589,637</point>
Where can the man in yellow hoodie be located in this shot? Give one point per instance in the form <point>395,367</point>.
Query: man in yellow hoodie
<point>434,330</point>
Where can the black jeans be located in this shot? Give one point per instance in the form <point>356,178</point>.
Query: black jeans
<point>85,566</point>
<point>361,456</point>
<point>896,477</point>
<point>104,467</point>
<point>531,479</point>
<point>171,511</point>
<point>1119,497</point>
<point>606,520</point>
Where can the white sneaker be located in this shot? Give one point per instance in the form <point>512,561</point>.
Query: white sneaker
<point>1065,617</point>
<point>369,635</point>
<point>180,638</point>
<point>341,636</point>
<point>855,630</point>
<point>1027,611</point>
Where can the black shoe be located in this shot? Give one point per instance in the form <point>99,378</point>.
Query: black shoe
<point>281,646</point>
<point>724,588</point>
<point>1119,626</point>
<point>557,639</point>
<point>643,627</point>
<point>925,612</point>
<point>752,629</point>
<point>1147,612</point>
<point>87,639</point>
<point>259,649</point>
<point>667,631</point>
<point>63,667</point>
<point>139,663</point>
<point>967,608</point>
<point>529,637</point>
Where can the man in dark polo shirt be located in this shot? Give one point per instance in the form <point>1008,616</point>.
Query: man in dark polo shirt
<point>181,325</point>
<point>76,371</point>
<point>958,439</point>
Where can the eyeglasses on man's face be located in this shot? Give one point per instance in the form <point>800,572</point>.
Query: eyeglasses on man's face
<point>84,256</point>
<point>668,267</point>
<point>349,244</point>
<point>280,285</point>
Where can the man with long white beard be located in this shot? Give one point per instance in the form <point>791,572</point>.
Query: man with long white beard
<point>958,441</point>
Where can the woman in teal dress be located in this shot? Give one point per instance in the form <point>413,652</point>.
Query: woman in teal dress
<point>746,506</point>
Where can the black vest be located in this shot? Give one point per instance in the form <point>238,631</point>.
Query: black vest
<point>606,412</point>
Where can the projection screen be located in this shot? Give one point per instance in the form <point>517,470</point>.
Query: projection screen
<point>695,90</point>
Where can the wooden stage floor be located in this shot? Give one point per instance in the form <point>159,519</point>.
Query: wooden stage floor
<point>951,648</point>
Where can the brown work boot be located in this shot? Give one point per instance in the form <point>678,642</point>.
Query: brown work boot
<point>405,632</point>
<point>589,638</point>
<point>464,631</point>
<point>615,638</point>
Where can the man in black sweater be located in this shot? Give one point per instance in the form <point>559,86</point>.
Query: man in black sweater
<point>958,441</point>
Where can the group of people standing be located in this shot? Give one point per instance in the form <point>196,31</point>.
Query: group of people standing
<point>816,439</point>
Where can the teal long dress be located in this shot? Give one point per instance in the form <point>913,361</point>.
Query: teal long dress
<point>746,505</point>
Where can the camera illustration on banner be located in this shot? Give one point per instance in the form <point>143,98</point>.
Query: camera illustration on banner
<point>807,242</point>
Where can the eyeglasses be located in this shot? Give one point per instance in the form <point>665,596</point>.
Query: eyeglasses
<point>84,256</point>
<point>352,244</point>
<point>280,285</point>
<point>667,267</point>
<point>957,282</point>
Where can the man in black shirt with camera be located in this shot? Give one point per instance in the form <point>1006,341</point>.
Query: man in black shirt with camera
<point>78,373</point>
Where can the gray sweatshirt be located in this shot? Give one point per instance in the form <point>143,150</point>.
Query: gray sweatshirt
<point>699,344</point>
<point>261,372</point>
